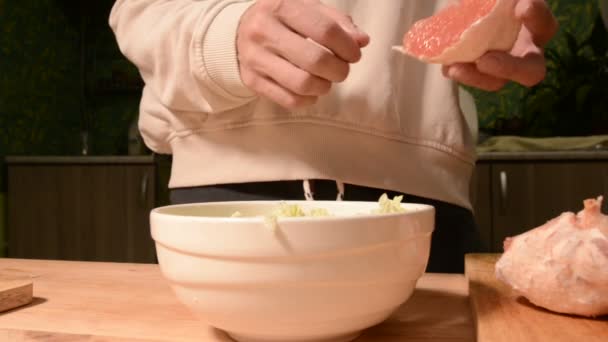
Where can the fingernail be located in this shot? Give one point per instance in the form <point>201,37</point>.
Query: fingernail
<point>448,72</point>
<point>452,71</point>
<point>363,36</point>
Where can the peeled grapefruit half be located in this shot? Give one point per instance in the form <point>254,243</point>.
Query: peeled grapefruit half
<point>463,31</point>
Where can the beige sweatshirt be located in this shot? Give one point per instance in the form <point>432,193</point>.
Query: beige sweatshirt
<point>395,123</point>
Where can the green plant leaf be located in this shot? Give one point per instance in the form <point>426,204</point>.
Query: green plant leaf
<point>598,39</point>
<point>572,43</point>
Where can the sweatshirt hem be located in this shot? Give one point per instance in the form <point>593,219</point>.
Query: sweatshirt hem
<point>274,153</point>
<point>329,122</point>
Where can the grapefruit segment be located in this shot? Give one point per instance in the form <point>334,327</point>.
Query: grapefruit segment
<point>463,31</point>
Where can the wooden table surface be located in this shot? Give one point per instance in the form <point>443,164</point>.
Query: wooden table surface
<point>85,301</point>
<point>502,315</point>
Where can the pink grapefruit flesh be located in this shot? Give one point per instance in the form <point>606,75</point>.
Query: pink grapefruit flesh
<point>463,31</point>
<point>431,36</point>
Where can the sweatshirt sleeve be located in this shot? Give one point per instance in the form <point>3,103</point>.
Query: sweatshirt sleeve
<point>185,50</point>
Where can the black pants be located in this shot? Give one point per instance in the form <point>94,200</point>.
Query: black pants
<point>455,229</point>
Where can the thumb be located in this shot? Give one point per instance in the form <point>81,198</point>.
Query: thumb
<point>536,15</point>
<point>347,24</point>
<point>361,37</point>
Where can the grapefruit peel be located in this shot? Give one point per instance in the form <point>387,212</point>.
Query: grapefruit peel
<point>458,34</point>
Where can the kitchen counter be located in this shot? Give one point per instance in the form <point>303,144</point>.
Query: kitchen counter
<point>148,159</point>
<point>93,159</point>
<point>543,155</point>
<point>118,302</point>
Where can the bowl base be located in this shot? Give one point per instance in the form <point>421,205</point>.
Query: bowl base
<point>333,338</point>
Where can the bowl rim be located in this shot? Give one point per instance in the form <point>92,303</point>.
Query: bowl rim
<point>414,208</point>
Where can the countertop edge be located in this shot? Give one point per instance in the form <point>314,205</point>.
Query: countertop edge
<point>543,155</point>
<point>143,159</point>
<point>149,159</point>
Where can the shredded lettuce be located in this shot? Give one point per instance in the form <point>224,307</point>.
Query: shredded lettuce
<point>284,210</point>
<point>292,210</point>
<point>389,206</point>
<point>289,210</point>
<point>385,206</point>
<point>319,212</point>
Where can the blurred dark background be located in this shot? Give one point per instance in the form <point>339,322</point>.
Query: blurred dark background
<point>66,90</point>
<point>63,76</point>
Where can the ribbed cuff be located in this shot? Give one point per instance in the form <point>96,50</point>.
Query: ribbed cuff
<point>219,50</point>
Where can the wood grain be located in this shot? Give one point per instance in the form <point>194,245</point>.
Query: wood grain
<point>481,199</point>
<point>500,315</point>
<point>15,293</point>
<point>16,289</point>
<point>95,301</point>
<point>539,191</point>
<point>33,335</point>
<point>81,212</point>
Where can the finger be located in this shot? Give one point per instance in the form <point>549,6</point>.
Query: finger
<point>348,25</point>
<point>467,73</point>
<point>538,18</point>
<point>310,22</point>
<point>305,54</point>
<point>527,70</point>
<point>291,77</point>
<point>270,89</point>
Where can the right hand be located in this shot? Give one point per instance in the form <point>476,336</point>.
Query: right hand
<point>291,51</point>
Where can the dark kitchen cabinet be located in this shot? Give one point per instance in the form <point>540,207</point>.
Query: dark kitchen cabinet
<point>511,196</point>
<point>482,203</point>
<point>529,194</point>
<point>81,208</point>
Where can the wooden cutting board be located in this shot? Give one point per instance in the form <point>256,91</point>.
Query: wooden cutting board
<point>14,292</point>
<point>500,315</point>
<point>95,301</point>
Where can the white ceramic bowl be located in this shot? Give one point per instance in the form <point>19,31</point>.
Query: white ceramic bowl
<point>312,279</point>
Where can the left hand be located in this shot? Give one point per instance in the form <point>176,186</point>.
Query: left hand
<point>524,64</point>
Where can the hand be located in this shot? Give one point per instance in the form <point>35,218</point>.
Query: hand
<point>524,64</point>
<point>291,51</point>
